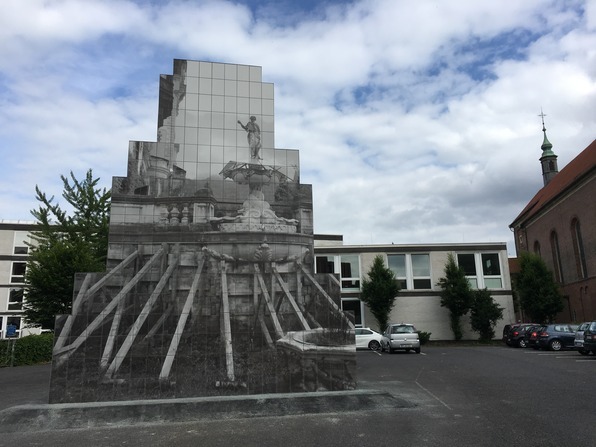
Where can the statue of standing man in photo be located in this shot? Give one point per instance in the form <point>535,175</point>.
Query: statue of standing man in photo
<point>253,136</point>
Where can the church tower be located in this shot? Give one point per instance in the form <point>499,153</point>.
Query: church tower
<point>548,160</point>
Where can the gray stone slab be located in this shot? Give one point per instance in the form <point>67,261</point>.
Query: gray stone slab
<point>125,413</point>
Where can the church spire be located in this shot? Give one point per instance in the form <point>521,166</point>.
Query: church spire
<point>548,159</point>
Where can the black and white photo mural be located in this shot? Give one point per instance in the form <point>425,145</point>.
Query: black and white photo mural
<point>209,287</point>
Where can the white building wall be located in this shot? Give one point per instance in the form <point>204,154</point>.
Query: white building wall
<point>423,307</point>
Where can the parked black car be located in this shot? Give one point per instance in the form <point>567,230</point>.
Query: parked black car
<point>590,338</point>
<point>506,330</point>
<point>531,336</point>
<point>557,336</point>
<point>515,336</point>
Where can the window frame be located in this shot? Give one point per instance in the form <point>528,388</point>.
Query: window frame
<point>479,280</point>
<point>556,254</point>
<point>409,278</point>
<point>15,278</point>
<point>578,249</point>
<point>16,305</point>
<point>337,270</point>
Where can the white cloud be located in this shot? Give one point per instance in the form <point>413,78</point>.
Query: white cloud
<point>416,121</point>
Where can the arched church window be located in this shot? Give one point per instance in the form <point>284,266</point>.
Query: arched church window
<point>578,249</point>
<point>554,246</point>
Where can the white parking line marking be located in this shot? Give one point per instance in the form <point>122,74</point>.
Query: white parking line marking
<point>430,393</point>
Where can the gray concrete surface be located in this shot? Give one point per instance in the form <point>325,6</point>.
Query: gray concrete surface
<point>461,396</point>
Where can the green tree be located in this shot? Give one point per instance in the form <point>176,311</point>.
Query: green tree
<point>539,295</point>
<point>379,291</point>
<point>64,244</point>
<point>485,313</point>
<point>456,294</point>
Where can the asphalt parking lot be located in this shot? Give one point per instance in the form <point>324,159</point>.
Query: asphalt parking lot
<point>462,396</point>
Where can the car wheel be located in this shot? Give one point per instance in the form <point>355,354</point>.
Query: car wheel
<point>374,345</point>
<point>417,350</point>
<point>555,345</point>
<point>583,351</point>
<point>522,343</point>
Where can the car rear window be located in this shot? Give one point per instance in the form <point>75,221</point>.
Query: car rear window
<point>402,329</point>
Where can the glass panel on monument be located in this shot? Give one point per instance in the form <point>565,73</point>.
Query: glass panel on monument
<point>209,287</point>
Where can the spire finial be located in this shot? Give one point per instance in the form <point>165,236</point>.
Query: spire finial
<point>542,115</point>
<point>546,145</point>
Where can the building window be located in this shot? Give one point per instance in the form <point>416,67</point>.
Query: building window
<point>483,270</point>
<point>412,271</point>
<point>21,239</point>
<point>13,327</point>
<point>350,272</point>
<point>346,266</point>
<point>491,270</point>
<point>578,248</point>
<point>353,306</point>
<point>325,264</point>
<point>554,246</point>
<point>397,264</point>
<point>18,272</point>
<point>15,299</point>
<point>467,261</point>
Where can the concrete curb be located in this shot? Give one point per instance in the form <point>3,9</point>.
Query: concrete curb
<point>102,414</point>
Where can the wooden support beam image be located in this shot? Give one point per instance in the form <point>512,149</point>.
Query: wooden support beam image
<point>136,327</point>
<point>290,298</point>
<point>278,330</point>
<point>66,351</point>
<point>326,296</point>
<point>227,328</point>
<point>174,343</point>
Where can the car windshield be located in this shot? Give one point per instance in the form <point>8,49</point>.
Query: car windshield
<point>593,326</point>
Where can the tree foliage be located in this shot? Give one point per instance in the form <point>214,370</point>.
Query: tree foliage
<point>538,292</point>
<point>379,290</point>
<point>456,294</point>
<point>485,313</point>
<point>65,243</point>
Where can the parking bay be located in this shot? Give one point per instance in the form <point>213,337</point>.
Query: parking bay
<point>506,394</point>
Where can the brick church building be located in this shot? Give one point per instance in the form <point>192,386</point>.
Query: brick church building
<point>559,224</point>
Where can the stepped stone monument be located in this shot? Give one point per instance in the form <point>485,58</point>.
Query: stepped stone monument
<point>209,286</point>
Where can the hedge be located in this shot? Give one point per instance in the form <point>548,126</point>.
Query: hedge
<point>28,350</point>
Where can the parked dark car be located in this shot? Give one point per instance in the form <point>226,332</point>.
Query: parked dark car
<point>506,330</point>
<point>557,336</point>
<point>516,335</point>
<point>579,338</point>
<point>590,338</point>
<point>531,336</point>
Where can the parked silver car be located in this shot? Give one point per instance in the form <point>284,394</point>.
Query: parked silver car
<point>579,338</point>
<point>400,336</point>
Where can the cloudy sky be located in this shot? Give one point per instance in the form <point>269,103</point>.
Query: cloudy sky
<point>417,121</point>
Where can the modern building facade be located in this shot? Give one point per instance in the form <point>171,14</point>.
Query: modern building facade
<point>14,237</point>
<point>559,224</point>
<point>418,269</point>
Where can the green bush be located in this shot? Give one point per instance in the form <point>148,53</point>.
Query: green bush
<point>28,350</point>
<point>424,337</point>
